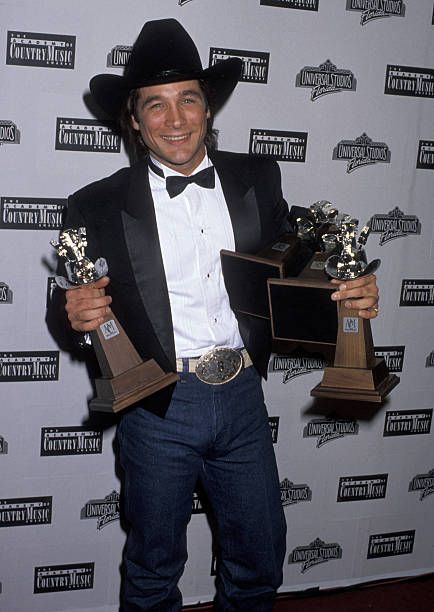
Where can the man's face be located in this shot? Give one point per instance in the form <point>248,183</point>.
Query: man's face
<point>172,119</point>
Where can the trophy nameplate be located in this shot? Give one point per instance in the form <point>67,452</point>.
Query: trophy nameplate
<point>126,377</point>
<point>246,275</point>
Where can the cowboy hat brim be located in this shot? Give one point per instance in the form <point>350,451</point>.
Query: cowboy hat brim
<point>111,91</point>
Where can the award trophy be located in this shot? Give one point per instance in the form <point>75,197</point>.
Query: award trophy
<point>301,311</point>
<point>318,230</point>
<point>356,373</point>
<point>246,275</point>
<point>126,378</point>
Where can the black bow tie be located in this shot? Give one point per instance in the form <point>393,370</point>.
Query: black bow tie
<point>176,184</point>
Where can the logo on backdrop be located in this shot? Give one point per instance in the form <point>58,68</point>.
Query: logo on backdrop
<point>280,146</point>
<point>327,430</point>
<point>6,294</point>
<point>391,544</point>
<point>429,363</point>
<point>3,446</point>
<point>25,511</point>
<point>423,483</point>
<point>314,553</point>
<point>415,292</point>
<point>31,213</point>
<point>392,355</point>
<point>182,2</point>
<point>425,155</point>
<point>9,133</point>
<point>34,366</point>
<point>294,366</point>
<point>87,135</point>
<point>409,81</point>
<point>407,422</point>
<point>274,427</point>
<point>375,9</point>
<point>394,225</point>
<point>325,79</point>
<point>361,488</point>
<point>56,578</point>
<point>104,510</point>
<point>255,63</point>
<point>79,440</point>
<point>43,50</point>
<point>362,151</point>
<point>303,5</point>
<point>119,56</point>
<point>291,493</point>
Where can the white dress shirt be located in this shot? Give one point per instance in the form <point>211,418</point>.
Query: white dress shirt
<point>192,228</point>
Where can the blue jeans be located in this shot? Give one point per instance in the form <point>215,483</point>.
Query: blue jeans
<point>220,436</point>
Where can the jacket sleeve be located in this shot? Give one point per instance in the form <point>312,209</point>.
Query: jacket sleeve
<point>279,211</point>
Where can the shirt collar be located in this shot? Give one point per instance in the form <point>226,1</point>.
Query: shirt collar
<point>205,163</point>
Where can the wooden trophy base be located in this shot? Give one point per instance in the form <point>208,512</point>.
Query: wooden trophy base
<point>126,378</point>
<point>356,373</point>
<point>115,394</point>
<point>357,384</point>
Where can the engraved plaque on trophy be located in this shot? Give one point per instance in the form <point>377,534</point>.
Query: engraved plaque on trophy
<point>356,373</point>
<point>126,378</point>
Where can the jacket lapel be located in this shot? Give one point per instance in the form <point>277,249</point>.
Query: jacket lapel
<point>242,203</point>
<point>141,236</point>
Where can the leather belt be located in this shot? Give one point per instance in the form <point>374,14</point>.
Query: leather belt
<point>217,366</point>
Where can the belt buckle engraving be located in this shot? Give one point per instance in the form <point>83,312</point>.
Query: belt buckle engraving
<point>219,366</point>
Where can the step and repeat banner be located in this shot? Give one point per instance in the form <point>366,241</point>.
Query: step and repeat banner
<point>340,92</point>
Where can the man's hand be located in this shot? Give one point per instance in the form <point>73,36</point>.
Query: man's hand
<point>360,293</point>
<point>87,305</point>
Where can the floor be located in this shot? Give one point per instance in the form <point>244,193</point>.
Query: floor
<point>413,595</point>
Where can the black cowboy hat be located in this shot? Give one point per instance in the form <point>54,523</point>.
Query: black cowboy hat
<point>164,53</point>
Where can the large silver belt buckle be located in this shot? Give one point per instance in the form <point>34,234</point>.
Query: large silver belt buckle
<point>219,365</point>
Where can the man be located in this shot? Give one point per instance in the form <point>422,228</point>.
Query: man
<point>167,290</point>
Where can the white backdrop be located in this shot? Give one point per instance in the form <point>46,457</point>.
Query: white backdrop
<point>61,540</point>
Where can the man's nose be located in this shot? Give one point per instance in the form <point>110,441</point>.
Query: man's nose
<point>175,116</point>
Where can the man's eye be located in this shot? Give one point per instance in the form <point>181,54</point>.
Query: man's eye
<point>188,101</point>
<point>152,106</point>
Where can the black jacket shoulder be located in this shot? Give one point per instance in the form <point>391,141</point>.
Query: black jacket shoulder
<point>109,184</point>
<point>243,160</point>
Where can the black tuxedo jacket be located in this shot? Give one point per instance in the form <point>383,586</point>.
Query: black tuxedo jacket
<point>119,217</point>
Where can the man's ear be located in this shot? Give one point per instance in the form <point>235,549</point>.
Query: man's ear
<point>134,123</point>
